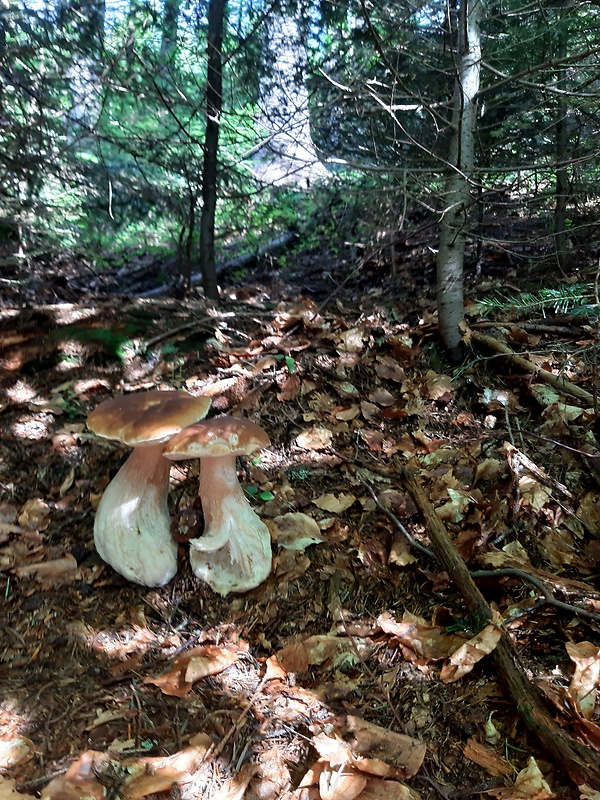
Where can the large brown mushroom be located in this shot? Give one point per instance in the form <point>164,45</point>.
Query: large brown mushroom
<point>132,526</point>
<point>234,554</point>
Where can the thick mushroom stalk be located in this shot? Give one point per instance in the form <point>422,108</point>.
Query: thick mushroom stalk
<point>132,526</point>
<point>234,555</point>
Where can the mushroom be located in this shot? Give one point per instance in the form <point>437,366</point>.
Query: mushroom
<point>132,526</point>
<point>234,554</point>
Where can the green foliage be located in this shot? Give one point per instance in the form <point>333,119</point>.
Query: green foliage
<point>571,299</point>
<point>264,496</point>
<point>118,342</point>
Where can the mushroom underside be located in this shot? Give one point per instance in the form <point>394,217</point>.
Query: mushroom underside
<point>132,526</point>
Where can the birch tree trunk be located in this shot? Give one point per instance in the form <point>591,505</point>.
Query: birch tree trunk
<point>454,225</point>
<point>214,104</point>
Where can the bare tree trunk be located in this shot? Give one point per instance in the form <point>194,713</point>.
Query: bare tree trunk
<point>214,104</point>
<point>562,156</point>
<point>454,226</point>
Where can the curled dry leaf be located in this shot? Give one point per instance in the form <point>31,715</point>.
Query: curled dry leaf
<point>382,397</point>
<point>418,640</point>
<point>439,387</point>
<point>15,751</point>
<point>35,515</point>
<point>294,531</point>
<point>200,662</point>
<point>333,651</point>
<point>235,788</point>
<point>584,683</point>
<point>585,793</point>
<point>529,785</point>
<point>464,659</point>
<point>79,782</point>
<point>379,789</point>
<point>314,439</point>
<point>341,783</point>
<point>351,341</point>
<point>400,751</point>
<point>141,776</point>
<point>333,504</point>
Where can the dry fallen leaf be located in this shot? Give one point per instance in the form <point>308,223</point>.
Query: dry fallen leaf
<point>584,683</point>
<point>333,504</point>
<point>439,387</point>
<point>418,640</point>
<point>200,662</point>
<point>79,782</point>
<point>294,531</point>
<point>464,659</point>
<point>529,785</point>
<point>35,515</point>
<point>341,783</point>
<point>314,439</point>
<point>15,750</point>
<point>400,751</point>
<point>379,789</point>
<point>334,651</point>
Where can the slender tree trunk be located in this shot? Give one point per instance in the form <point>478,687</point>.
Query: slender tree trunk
<point>562,155</point>
<point>214,104</point>
<point>454,226</point>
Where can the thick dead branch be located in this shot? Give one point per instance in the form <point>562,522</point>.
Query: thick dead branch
<point>578,761</point>
<point>559,383</point>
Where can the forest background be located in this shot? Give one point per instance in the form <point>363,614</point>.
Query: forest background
<point>193,132</point>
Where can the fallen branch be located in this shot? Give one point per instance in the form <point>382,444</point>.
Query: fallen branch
<point>562,384</point>
<point>579,762</point>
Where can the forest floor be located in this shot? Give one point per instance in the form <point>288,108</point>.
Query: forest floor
<point>345,674</point>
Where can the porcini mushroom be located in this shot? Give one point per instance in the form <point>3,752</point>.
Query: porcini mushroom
<point>132,526</point>
<point>234,554</point>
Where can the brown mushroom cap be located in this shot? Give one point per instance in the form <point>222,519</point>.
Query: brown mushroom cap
<point>220,436</point>
<point>147,417</point>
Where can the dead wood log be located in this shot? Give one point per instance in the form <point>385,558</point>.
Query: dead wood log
<point>270,248</point>
<point>578,761</point>
<point>562,384</point>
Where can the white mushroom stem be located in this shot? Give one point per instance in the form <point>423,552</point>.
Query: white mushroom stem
<point>132,529</point>
<point>234,554</point>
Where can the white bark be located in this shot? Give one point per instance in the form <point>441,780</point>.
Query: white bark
<point>288,156</point>
<point>454,226</point>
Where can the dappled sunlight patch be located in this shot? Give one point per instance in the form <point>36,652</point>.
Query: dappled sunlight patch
<point>20,391</point>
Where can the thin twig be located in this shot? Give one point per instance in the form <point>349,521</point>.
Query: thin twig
<point>547,594</point>
<point>413,542</point>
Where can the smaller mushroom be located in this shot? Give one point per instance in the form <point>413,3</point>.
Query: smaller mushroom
<point>132,529</point>
<point>234,554</point>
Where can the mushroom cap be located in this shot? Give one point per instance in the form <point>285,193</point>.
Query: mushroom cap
<point>221,436</point>
<point>147,417</point>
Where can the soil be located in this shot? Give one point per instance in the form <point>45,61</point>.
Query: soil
<point>343,369</point>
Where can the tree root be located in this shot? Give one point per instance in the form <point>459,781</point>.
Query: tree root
<point>562,384</point>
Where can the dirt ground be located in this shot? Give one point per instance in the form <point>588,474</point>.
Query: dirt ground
<point>334,678</point>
